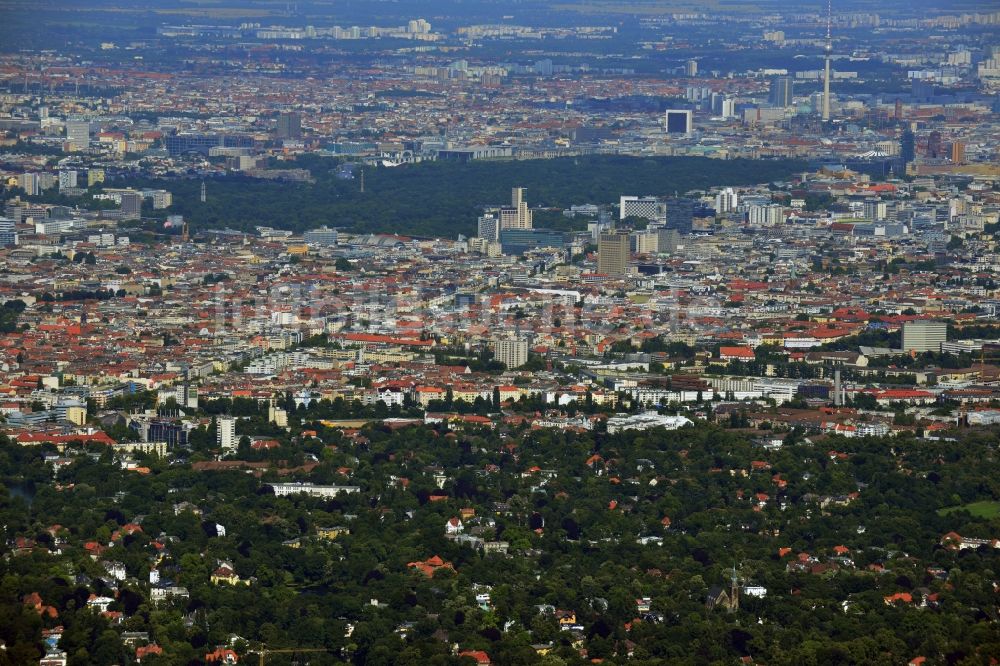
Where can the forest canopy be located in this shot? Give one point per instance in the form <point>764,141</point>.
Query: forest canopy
<point>444,198</point>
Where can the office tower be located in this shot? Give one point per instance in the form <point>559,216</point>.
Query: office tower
<point>131,205</point>
<point>923,335</point>
<point>521,206</point>
<point>613,253</point>
<point>512,353</point>
<point>518,215</point>
<point>667,240</point>
<point>691,68</point>
<point>321,236</point>
<point>715,101</point>
<point>934,147</point>
<point>921,90</point>
<point>644,207</point>
<point>95,177</point>
<point>957,152</point>
<point>78,134</point>
<point>781,91</point>
<point>289,125</point>
<point>225,435</point>
<point>680,215</point>
<point>8,234</point>
<point>826,67</point>
<point>907,143</point>
<point>726,201</point>
<point>489,227</point>
<point>67,179</point>
<point>678,121</point>
<point>645,242</point>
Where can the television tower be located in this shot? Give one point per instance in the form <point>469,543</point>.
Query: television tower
<point>826,75</point>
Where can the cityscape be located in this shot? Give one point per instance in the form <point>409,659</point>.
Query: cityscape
<point>465,332</point>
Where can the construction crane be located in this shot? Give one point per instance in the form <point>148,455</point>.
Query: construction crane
<point>263,652</point>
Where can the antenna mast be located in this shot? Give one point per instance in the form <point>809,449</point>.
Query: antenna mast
<point>826,72</point>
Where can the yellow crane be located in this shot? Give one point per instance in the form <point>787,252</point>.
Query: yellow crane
<point>263,652</point>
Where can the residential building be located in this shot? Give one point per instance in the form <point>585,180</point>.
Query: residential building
<point>512,353</point>
<point>67,179</point>
<point>226,433</point>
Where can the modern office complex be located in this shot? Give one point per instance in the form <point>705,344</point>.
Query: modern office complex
<point>613,251</point>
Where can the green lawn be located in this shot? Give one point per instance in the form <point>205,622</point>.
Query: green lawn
<point>983,509</point>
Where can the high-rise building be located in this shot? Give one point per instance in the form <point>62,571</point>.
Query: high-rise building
<point>766,216</point>
<point>922,335</point>
<point>226,433</point>
<point>876,210</point>
<point>512,353</point>
<point>78,134</point>
<point>934,147</point>
<point>94,177</point>
<point>678,121</point>
<point>289,125</point>
<point>726,201</point>
<point>644,207</point>
<point>781,91</point>
<point>680,215</point>
<point>131,205</point>
<point>29,183</point>
<point>646,241</point>
<point>489,226</point>
<point>907,143</point>
<point>921,90</point>
<point>957,152</point>
<point>667,241</point>
<point>67,179</point>
<point>691,68</point>
<point>613,253</point>
<point>517,215</point>
<point>8,234</point>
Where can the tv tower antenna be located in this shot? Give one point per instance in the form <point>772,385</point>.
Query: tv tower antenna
<point>826,73</point>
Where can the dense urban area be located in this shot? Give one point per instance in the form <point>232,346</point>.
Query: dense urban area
<point>472,333</point>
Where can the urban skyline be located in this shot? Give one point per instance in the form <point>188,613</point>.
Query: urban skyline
<point>481,333</point>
